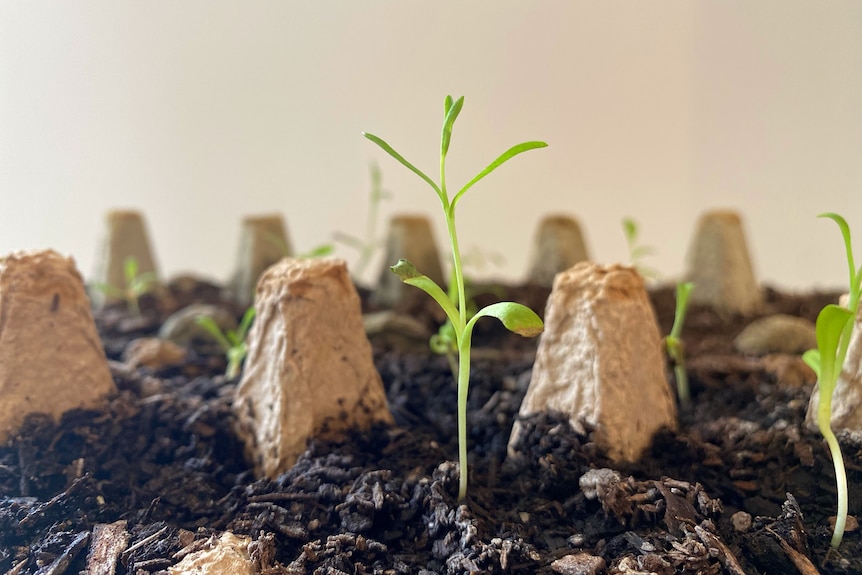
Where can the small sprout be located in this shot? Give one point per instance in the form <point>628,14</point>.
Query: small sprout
<point>674,344</point>
<point>232,342</point>
<point>833,329</point>
<point>367,246</point>
<point>515,317</point>
<point>443,342</point>
<point>316,252</point>
<point>136,285</point>
<point>638,252</point>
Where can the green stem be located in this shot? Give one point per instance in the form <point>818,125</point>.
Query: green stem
<point>682,384</point>
<point>841,482</point>
<point>456,267</point>
<point>463,387</point>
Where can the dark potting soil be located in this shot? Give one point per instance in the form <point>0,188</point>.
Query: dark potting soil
<point>743,486</point>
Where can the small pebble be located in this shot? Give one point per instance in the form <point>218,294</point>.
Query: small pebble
<point>741,521</point>
<point>578,564</point>
<point>779,333</point>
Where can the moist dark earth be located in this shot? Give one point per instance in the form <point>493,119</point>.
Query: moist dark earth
<point>161,470</point>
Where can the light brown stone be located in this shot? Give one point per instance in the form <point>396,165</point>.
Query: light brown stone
<point>309,370</point>
<point>153,353</point>
<point>125,237</point>
<point>600,360</point>
<point>410,238</point>
<point>51,358</point>
<point>558,245</point>
<point>578,564</point>
<point>263,242</point>
<point>779,333</point>
<point>226,555</point>
<point>720,266</point>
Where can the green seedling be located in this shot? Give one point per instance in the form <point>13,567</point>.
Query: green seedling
<point>674,345</point>
<point>833,328</point>
<point>444,341</point>
<point>367,246</point>
<point>136,285</point>
<point>515,317</point>
<point>638,252</point>
<point>232,342</point>
<point>316,252</point>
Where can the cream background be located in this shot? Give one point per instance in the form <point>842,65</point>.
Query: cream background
<point>198,111</point>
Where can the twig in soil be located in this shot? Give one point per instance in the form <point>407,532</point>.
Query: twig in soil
<point>145,541</point>
<point>800,561</point>
<point>57,499</point>
<point>725,555</point>
<point>61,563</point>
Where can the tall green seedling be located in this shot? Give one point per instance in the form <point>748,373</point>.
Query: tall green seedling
<point>515,317</point>
<point>833,328</point>
<point>674,345</point>
<point>368,245</point>
<point>136,285</point>
<point>232,342</point>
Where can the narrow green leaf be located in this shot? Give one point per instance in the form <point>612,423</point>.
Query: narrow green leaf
<point>630,230</point>
<point>214,330</point>
<point>848,246</point>
<point>408,274</point>
<point>515,317</point>
<point>130,270</point>
<point>245,323</point>
<point>812,360</point>
<point>317,252</point>
<point>391,151</point>
<point>504,157</point>
<point>829,328</point>
<point>452,112</point>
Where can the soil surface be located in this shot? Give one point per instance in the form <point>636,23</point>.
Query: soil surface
<point>743,486</point>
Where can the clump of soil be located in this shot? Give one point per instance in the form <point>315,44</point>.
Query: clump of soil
<point>742,487</point>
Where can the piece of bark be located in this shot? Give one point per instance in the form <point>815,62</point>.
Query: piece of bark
<point>309,370</point>
<point>600,360</point>
<point>51,357</point>
<point>109,540</point>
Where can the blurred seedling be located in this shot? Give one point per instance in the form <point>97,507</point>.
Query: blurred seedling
<point>674,344</point>
<point>444,341</point>
<point>515,317</point>
<point>834,327</point>
<point>368,245</point>
<point>136,285</point>
<point>316,252</point>
<point>638,252</point>
<point>232,342</point>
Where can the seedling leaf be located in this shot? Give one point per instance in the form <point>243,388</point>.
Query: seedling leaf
<point>829,328</point>
<point>812,360</point>
<point>389,150</point>
<point>845,233</point>
<point>408,274</point>
<point>515,317</point>
<point>452,111</point>
<point>504,157</point>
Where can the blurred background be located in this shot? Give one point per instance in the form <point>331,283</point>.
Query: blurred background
<point>201,111</point>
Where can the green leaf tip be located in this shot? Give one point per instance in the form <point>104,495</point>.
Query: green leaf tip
<point>405,270</point>
<point>515,317</point>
